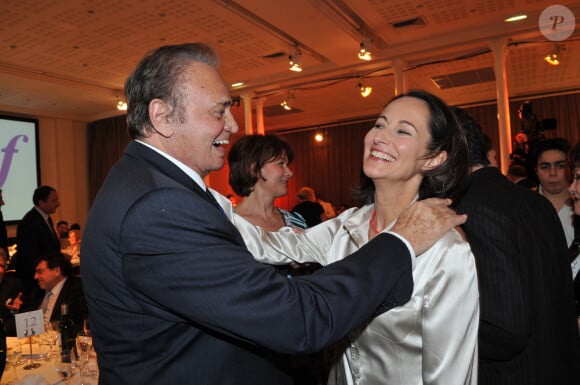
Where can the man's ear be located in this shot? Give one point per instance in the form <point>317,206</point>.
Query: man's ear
<point>159,112</point>
<point>435,161</point>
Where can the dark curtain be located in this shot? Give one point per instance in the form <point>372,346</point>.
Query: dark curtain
<point>106,141</point>
<point>564,108</point>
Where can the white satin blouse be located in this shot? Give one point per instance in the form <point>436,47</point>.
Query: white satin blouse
<point>432,339</point>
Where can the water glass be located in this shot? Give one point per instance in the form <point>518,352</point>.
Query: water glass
<point>64,365</point>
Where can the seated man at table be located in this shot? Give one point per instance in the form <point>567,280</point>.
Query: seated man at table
<point>54,275</point>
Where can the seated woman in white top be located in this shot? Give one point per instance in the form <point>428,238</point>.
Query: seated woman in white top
<point>415,150</point>
<point>73,250</point>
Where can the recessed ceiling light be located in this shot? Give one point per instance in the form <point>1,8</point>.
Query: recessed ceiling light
<point>238,84</point>
<point>516,18</point>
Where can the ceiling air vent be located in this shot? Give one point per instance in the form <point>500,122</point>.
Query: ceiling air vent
<point>275,55</point>
<point>417,21</point>
<point>464,78</point>
<point>275,110</point>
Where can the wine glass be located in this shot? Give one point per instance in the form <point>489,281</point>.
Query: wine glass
<point>51,337</point>
<point>14,359</point>
<point>84,344</point>
<point>64,365</point>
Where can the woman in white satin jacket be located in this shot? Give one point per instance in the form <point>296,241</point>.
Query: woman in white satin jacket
<point>415,150</point>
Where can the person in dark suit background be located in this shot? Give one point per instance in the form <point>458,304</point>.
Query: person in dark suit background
<point>527,331</point>
<point>9,287</point>
<point>517,174</point>
<point>35,235</point>
<point>54,275</point>
<point>3,231</point>
<point>174,295</point>
<point>312,211</point>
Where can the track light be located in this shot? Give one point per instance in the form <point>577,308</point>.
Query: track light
<point>365,90</point>
<point>365,50</point>
<point>553,57</point>
<point>121,105</point>
<point>295,59</point>
<point>286,102</point>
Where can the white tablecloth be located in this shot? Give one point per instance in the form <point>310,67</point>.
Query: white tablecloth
<point>46,370</point>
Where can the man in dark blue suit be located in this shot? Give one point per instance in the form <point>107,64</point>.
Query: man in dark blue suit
<point>35,235</point>
<point>527,331</point>
<point>174,295</point>
<point>9,288</point>
<point>3,232</point>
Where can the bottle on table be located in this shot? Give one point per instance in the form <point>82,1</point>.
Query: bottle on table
<point>66,329</point>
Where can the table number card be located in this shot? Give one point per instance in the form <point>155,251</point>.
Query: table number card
<point>29,324</point>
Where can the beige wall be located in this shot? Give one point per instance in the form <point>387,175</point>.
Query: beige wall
<point>63,165</point>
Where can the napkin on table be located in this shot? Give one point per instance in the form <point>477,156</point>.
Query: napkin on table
<point>33,379</point>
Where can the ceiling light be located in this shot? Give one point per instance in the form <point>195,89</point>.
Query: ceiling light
<point>295,59</point>
<point>237,85</point>
<point>365,50</point>
<point>516,18</point>
<point>121,105</point>
<point>285,105</point>
<point>553,57</point>
<point>365,90</point>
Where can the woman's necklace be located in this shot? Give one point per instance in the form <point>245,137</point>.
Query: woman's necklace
<point>372,224</point>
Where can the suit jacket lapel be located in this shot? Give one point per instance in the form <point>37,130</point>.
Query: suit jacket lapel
<point>50,235</point>
<point>166,167</point>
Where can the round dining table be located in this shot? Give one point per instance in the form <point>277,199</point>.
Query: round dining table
<point>36,365</point>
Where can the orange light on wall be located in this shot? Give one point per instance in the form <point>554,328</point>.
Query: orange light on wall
<point>319,137</point>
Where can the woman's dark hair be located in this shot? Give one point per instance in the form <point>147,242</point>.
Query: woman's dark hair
<point>574,156</point>
<point>479,143</point>
<point>249,154</point>
<point>446,179</point>
<point>159,76</point>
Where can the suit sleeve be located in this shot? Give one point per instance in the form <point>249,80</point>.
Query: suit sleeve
<point>505,318</point>
<point>183,260</point>
<point>285,245</point>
